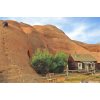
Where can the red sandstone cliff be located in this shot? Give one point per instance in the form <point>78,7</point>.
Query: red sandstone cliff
<point>14,60</point>
<point>19,41</point>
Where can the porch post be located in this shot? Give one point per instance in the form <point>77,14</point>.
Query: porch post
<point>93,68</point>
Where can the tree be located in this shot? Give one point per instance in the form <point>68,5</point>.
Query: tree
<point>59,62</point>
<point>41,61</point>
<point>44,62</point>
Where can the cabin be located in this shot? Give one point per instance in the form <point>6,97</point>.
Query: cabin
<point>97,57</point>
<point>82,62</point>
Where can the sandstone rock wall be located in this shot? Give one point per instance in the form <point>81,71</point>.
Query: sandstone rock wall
<point>14,59</point>
<point>19,41</point>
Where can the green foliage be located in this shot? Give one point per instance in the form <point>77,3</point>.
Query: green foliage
<point>59,62</point>
<point>44,62</point>
<point>41,61</point>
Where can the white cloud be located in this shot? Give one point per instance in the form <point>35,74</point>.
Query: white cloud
<point>57,21</point>
<point>77,29</point>
<point>78,33</point>
<point>81,34</point>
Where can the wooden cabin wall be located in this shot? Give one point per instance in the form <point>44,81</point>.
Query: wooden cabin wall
<point>76,64</point>
<point>97,66</point>
<point>72,65</point>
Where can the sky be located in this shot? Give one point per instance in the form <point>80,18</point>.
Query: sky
<point>84,29</point>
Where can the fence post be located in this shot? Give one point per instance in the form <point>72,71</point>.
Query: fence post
<point>67,70</point>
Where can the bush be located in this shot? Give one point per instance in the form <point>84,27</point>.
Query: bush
<point>41,61</point>
<point>59,62</point>
<point>44,62</point>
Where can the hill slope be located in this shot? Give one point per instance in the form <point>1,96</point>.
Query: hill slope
<point>56,40</point>
<point>94,49</point>
<point>14,60</point>
<point>19,41</point>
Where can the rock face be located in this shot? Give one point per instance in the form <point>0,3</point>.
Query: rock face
<point>56,40</point>
<point>19,41</point>
<point>35,39</point>
<point>89,47</point>
<point>14,59</point>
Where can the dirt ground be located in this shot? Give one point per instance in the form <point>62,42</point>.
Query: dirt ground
<point>83,78</point>
<point>75,78</point>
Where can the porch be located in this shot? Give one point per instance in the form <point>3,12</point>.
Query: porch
<point>86,67</point>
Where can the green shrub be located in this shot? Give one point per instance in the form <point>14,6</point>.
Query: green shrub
<point>41,61</point>
<point>44,62</point>
<point>59,62</point>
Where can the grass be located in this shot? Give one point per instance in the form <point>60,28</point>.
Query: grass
<point>78,77</point>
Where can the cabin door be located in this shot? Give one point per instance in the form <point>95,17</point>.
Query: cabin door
<point>86,67</point>
<point>79,66</point>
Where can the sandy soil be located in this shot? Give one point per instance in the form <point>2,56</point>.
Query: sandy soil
<point>74,78</point>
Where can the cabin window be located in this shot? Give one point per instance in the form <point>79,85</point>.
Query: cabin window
<point>80,66</point>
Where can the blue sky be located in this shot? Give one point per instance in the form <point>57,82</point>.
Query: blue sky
<point>85,29</point>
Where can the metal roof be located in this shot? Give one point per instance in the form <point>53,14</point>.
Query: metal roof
<point>83,57</point>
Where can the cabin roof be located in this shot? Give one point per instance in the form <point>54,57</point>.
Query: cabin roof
<point>82,57</point>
